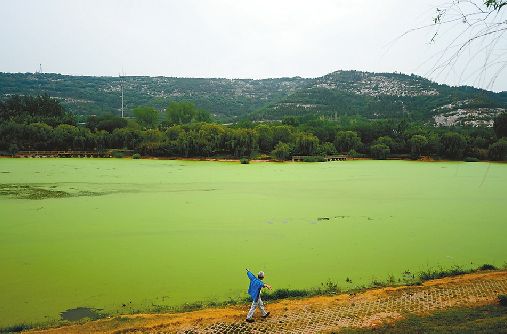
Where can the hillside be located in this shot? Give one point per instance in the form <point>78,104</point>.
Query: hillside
<point>84,95</point>
<point>371,95</point>
<point>390,95</point>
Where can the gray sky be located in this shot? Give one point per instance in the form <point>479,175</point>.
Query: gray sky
<point>225,38</point>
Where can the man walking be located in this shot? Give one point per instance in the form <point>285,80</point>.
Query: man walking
<point>254,290</point>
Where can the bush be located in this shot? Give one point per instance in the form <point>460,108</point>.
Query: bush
<point>503,300</point>
<point>136,156</point>
<point>471,159</point>
<point>244,161</point>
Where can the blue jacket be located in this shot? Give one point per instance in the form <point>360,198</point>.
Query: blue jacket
<point>255,287</point>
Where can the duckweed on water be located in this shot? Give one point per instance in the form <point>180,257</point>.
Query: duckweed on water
<point>173,233</point>
<point>27,191</point>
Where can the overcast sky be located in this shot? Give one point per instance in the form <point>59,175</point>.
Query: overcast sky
<point>224,38</point>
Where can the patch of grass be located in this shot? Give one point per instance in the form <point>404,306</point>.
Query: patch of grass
<point>487,267</point>
<point>377,283</point>
<point>286,293</point>
<point>15,328</point>
<point>431,274</point>
<point>192,307</point>
<point>486,319</point>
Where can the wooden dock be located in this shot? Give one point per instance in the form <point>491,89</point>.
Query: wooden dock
<point>326,158</point>
<point>62,154</point>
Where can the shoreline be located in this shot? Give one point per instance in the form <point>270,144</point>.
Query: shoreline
<point>219,159</point>
<point>235,313</point>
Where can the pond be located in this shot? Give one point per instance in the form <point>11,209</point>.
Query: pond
<point>122,236</point>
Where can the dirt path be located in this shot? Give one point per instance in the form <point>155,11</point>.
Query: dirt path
<point>317,314</point>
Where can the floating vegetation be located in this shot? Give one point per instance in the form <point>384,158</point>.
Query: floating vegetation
<point>28,191</point>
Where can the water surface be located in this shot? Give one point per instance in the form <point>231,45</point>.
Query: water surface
<point>125,235</point>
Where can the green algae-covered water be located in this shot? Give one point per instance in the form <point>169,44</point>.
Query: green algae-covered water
<point>126,235</point>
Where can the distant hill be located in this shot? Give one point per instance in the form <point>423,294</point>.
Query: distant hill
<point>389,95</point>
<point>370,95</point>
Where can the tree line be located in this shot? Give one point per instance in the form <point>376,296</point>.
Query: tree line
<point>182,130</point>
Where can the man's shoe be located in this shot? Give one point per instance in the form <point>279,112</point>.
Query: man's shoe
<point>249,320</point>
<point>266,315</point>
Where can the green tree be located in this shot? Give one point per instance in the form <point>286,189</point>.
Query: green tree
<point>211,138</point>
<point>241,142</point>
<point>173,132</point>
<point>306,144</point>
<point>282,151</point>
<point>417,145</point>
<point>326,148</point>
<point>151,141</point>
<point>380,151</point>
<point>453,145</point>
<point>102,140</point>
<point>146,116</point>
<point>185,143</point>
<point>265,134</point>
<point>34,109</point>
<point>346,141</point>
<point>107,123</point>
<point>63,136</point>
<point>126,138</point>
<point>41,135</point>
<point>83,139</point>
<point>386,140</point>
<point>283,133</point>
<point>185,113</point>
<point>500,125</point>
<point>498,150</point>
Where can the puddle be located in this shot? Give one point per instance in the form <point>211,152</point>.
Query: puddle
<point>80,313</point>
